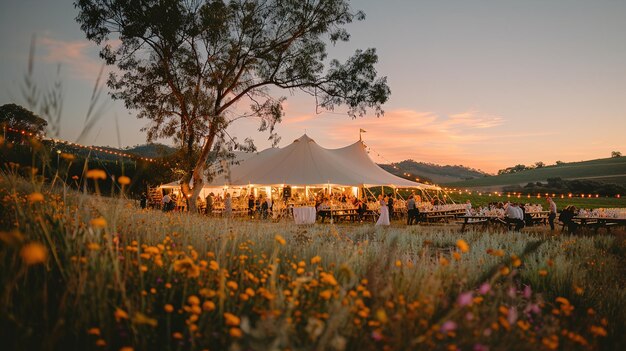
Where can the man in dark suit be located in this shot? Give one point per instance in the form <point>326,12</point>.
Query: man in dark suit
<point>390,205</point>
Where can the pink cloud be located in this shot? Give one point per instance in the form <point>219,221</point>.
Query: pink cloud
<point>403,133</point>
<point>77,57</point>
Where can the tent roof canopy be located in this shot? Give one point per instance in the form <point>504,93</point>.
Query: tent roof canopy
<point>304,162</point>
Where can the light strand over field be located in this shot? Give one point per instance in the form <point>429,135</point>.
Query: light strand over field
<point>520,195</point>
<point>393,164</point>
<point>88,147</point>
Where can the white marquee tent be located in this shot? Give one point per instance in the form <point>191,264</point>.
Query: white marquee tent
<point>305,163</point>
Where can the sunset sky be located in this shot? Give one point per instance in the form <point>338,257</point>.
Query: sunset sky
<point>486,84</point>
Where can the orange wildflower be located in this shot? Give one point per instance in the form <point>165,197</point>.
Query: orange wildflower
<point>231,319</point>
<point>35,197</point>
<point>280,239</point>
<point>34,253</point>
<point>120,314</point>
<point>96,174</point>
<point>462,245</point>
<point>235,332</point>
<point>99,222</point>
<point>124,180</point>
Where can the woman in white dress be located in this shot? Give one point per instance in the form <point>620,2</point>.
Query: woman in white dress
<point>384,211</point>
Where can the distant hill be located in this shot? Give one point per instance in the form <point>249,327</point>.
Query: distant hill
<point>432,172</point>
<point>606,170</point>
<point>150,150</point>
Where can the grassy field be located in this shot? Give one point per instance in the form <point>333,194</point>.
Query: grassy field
<point>87,272</point>
<point>614,167</point>
<point>589,203</point>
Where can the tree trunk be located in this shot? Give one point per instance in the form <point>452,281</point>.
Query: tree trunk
<point>198,170</point>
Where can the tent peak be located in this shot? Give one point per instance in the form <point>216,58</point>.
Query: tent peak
<point>304,138</point>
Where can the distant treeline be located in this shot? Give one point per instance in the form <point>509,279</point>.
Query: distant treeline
<point>561,186</point>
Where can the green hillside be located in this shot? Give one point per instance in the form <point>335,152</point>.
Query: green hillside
<point>609,170</point>
<point>432,172</point>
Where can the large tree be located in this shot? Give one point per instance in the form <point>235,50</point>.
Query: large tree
<point>189,66</point>
<point>18,117</point>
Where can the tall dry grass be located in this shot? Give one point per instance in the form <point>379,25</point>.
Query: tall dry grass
<point>92,272</point>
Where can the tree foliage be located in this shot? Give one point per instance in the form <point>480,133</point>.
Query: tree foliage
<point>615,154</point>
<point>189,66</point>
<point>18,117</point>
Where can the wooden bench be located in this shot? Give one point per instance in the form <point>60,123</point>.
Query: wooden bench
<point>472,222</point>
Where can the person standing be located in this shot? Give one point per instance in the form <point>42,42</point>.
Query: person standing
<point>384,211</point>
<point>390,205</point>
<point>552,214</point>
<point>228,206</point>
<point>410,205</point>
<point>165,202</point>
<point>143,202</point>
<point>209,204</point>
<point>251,205</point>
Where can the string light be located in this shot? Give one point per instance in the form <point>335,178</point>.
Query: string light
<point>89,147</point>
<point>394,165</point>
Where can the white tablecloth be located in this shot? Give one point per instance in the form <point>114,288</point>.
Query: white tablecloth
<point>304,215</point>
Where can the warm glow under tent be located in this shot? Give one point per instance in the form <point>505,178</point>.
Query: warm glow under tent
<point>305,163</point>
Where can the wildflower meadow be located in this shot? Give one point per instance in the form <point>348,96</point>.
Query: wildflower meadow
<point>89,272</point>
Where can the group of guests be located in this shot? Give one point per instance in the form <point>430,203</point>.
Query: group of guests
<point>260,206</point>
<point>210,200</point>
<point>387,212</point>
<point>516,214</point>
<point>323,205</point>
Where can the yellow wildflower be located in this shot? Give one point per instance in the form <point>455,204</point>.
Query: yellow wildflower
<point>193,300</point>
<point>328,278</point>
<point>187,266</point>
<point>235,332</point>
<point>124,180</point>
<point>34,253</point>
<point>35,197</point>
<point>316,259</point>
<point>232,285</point>
<point>99,222</point>
<point>93,246</point>
<point>598,331</point>
<point>231,319</point>
<point>208,306</point>
<point>562,300</point>
<point>462,245</point>
<point>120,314</point>
<point>96,174</point>
<point>280,239</point>
<point>326,294</point>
